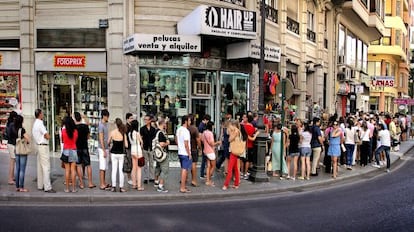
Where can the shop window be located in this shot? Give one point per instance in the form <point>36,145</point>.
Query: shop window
<point>163,92</point>
<point>60,94</point>
<point>9,100</point>
<point>234,92</point>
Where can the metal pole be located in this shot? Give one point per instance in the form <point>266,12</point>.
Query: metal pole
<point>283,124</point>
<point>258,171</point>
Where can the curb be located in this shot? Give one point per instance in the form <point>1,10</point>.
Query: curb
<point>91,198</point>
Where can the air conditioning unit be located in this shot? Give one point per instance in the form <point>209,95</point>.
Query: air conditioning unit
<point>201,88</point>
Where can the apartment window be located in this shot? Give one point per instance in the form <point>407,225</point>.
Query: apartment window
<point>398,37</point>
<point>293,9</point>
<point>374,68</point>
<point>388,7</point>
<point>398,8</point>
<point>341,41</point>
<point>360,52</point>
<point>310,32</point>
<point>351,49</point>
<point>364,57</point>
<point>271,10</point>
<point>386,41</point>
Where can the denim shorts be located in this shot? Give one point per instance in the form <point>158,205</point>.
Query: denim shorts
<point>185,162</point>
<point>71,154</point>
<point>293,153</point>
<point>305,151</point>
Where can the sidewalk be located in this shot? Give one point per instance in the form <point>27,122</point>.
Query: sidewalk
<point>9,194</point>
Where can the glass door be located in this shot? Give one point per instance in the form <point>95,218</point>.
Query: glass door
<point>203,94</point>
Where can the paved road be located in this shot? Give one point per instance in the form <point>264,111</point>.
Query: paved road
<point>376,202</point>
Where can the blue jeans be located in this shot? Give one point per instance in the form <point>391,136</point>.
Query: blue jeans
<point>349,153</point>
<point>387,154</point>
<point>20,170</point>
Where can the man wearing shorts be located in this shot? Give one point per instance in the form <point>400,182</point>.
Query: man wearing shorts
<point>84,160</point>
<point>184,151</point>
<point>103,149</point>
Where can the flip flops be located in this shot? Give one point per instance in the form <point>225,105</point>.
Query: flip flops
<point>185,191</point>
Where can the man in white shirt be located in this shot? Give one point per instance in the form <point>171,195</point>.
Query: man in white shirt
<point>385,140</point>
<point>41,138</point>
<point>184,151</point>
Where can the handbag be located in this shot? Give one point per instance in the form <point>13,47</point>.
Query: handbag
<point>238,146</point>
<point>357,139</point>
<point>141,161</point>
<point>64,158</point>
<point>127,167</point>
<point>22,145</point>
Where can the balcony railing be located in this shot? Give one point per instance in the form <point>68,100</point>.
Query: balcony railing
<point>292,25</point>
<point>271,13</point>
<point>311,35</point>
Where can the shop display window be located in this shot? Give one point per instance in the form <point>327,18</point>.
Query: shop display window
<point>234,92</point>
<point>163,93</point>
<point>61,94</point>
<point>9,99</point>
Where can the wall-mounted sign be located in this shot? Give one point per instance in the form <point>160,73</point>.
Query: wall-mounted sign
<point>70,61</point>
<point>162,43</point>
<point>9,60</point>
<point>402,101</point>
<point>252,49</point>
<point>382,81</point>
<point>219,21</point>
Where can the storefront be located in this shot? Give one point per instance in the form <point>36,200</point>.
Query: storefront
<point>68,82</point>
<point>10,88</point>
<point>174,75</point>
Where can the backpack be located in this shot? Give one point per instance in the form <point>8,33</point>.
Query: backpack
<point>159,153</point>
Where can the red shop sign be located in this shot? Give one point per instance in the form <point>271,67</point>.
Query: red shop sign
<point>70,61</point>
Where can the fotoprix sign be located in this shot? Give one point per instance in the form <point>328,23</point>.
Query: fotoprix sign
<point>70,61</point>
<point>226,22</point>
<point>162,43</point>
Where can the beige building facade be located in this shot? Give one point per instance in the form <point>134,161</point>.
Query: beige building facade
<point>170,58</point>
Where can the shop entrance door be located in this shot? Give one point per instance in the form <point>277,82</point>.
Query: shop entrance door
<point>63,104</point>
<point>201,107</point>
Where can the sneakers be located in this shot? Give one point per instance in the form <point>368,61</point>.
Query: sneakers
<point>388,170</point>
<point>156,183</point>
<point>376,166</point>
<point>162,189</point>
<point>130,182</point>
<point>246,177</point>
<point>301,178</point>
<point>349,168</point>
<point>50,191</point>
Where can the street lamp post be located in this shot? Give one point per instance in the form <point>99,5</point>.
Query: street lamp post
<point>258,171</point>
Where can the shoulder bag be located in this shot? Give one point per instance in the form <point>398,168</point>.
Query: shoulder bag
<point>22,145</point>
<point>127,167</point>
<point>238,146</point>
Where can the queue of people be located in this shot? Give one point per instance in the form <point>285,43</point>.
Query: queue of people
<point>296,151</point>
